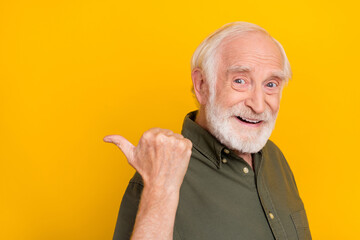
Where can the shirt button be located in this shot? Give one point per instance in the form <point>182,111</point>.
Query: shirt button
<point>226,151</point>
<point>245,170</point>
<point>224,160</point>
<point>271,216</point>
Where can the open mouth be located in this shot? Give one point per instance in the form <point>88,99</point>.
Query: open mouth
<point>245,120</point>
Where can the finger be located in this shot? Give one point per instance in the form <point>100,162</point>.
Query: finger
<point>166,132</point>
<point>125,146</point>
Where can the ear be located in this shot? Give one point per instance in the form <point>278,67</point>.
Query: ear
<point>201,88</point>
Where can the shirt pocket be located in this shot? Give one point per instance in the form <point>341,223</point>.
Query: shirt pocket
<point>301,224</point>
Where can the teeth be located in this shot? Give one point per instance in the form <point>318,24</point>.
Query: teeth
<point>252,121</point>
<point>248,120</point>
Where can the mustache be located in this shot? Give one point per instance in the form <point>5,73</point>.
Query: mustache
<point>245,112</point>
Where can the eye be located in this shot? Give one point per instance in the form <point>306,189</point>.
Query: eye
<point>239,81</point>
<point>271,84</point>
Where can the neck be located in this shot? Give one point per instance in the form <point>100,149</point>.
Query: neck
<point>201,118</point>
<point>246,156</point>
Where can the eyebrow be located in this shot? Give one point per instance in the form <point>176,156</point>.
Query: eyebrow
<point>279,74</point>
<point>239,68</point>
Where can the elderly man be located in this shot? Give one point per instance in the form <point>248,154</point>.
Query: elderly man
<point>222,178</point>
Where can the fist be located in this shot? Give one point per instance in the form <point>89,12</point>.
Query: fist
<point>161,157</point>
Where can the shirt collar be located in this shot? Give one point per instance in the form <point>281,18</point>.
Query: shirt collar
<point>204,141</point>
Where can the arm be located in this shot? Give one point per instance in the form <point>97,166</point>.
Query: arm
<point>161,158</point>
<point>156,215</point>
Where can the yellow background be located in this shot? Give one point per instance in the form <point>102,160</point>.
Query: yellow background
<point>72,72</point>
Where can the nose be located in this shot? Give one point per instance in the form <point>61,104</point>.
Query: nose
<point>256,100</point>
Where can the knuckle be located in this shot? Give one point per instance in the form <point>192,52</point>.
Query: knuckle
<point>168,131</point>
<point>151,132</point>
<point>147,134</point>
<point>181,144</point>
<point>188,143</point>
<point>184,145</point>
<point>160,138</point>
<point>174,142</point>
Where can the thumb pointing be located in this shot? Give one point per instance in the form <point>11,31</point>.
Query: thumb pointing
<point>125,146</point>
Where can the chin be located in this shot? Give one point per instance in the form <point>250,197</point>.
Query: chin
<point>235,135</point>
<point>242,141</point>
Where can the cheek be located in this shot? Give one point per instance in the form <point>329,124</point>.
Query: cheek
<point>224,94</point>
<point>274,103</point>
<point>230,98</point>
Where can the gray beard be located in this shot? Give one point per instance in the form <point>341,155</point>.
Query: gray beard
<point>222,124</point>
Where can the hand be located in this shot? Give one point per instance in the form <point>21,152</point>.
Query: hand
<point>161,157</point>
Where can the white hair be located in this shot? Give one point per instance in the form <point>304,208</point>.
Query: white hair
<point>204,56</point>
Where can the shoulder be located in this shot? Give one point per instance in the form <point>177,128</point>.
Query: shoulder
<point>275,157</point>
<point>270,146</point>
<point>273,152</point>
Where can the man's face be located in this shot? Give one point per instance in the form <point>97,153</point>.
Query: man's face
<point>242,110</point>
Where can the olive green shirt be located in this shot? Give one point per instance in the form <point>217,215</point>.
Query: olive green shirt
<point>223,198</point>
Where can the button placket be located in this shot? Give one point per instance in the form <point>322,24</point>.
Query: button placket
<point>225,151</point>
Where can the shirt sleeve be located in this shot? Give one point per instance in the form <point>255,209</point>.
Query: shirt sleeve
<point>128,209</point>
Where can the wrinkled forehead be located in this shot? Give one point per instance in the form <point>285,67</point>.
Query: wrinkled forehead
<point>252,48</point>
